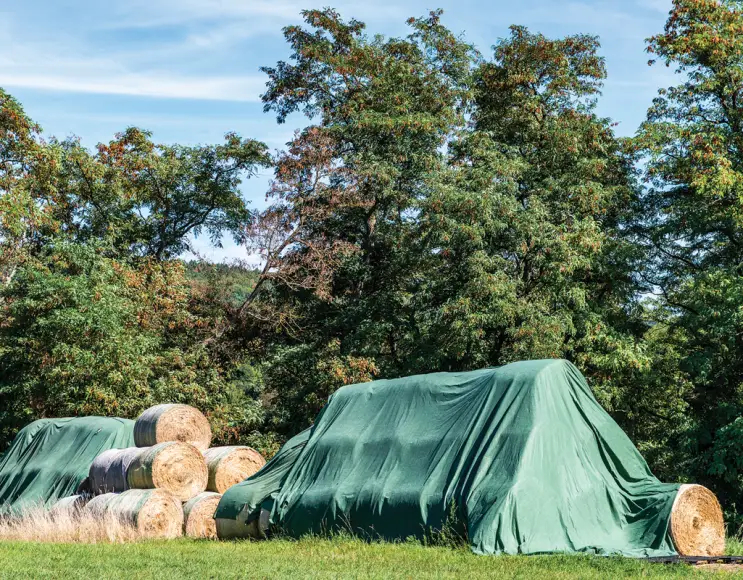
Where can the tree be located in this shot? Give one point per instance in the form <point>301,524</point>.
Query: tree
<point>446,213</point>
<point>529,234</point>
<point>339,234</point>
<point>85,334</point>
<point>692,141</point>
<point>146,199</point>
<point>26,198</point>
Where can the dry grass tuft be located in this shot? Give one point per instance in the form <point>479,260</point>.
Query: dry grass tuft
<point>39,524</point>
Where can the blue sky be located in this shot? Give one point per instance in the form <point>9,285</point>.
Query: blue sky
<point>188,69</point>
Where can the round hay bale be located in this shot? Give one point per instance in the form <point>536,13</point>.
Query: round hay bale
<point>108,470</point>
<point>198,513</point>
<point>155,513</point>
<point>231,465</point>
<point>255,529</point>
<point>69,505</point>
<point>172,423</point>
<point>178,468</point>
<point>697,526</point>
<point>98,506</point>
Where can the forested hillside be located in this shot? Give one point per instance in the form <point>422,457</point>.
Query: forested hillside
<point>439,209</point>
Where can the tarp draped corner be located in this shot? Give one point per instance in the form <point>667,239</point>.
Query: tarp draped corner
<point>523,453</point>
<point>244,501</point>
<point>50,458</point>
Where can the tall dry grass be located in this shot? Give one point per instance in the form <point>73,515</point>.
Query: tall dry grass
<point>73,525</point>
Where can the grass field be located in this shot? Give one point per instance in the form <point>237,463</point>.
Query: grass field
<point>308,558</point>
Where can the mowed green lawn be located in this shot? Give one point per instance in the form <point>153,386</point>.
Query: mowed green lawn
<point>308,558</point>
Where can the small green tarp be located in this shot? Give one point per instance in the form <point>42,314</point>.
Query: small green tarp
<point>523,456</point>
<point>50,458</point>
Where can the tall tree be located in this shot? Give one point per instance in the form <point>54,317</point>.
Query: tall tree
<point>532,254</point>
<point>693,143</point>
<point>96,314</point>
<point>339,235</point>
<point>446,213</point>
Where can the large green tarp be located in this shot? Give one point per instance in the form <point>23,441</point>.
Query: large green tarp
<point>50,458</point>
<point>522,455</point>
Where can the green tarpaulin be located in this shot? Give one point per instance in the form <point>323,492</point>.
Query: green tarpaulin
<point>522,455</point>
<point>243,502</point>
<point>50,458</point>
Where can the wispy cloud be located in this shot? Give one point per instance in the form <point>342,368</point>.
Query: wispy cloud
<point>167,12</point>
<point>198,63</point>
<point>64,63</point>
<point>143,85</point>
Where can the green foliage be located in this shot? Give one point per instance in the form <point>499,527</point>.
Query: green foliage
<point>339,239</point>
<point>530,262</point>
<point>145,199</point>
<point>83,334</point>
<point>474,220</point>
<point>26,168</point>
<point>691,226</point>
<point>232,283</point>
<point>308,375</point>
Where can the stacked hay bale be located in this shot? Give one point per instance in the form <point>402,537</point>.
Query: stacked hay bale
<point>108,472</point>
<point>231,465</point>
<point>146,485</point>
<point>153,512</point>
<point>240,528</point>
<point>172,423</point>
<point>176,467</point>
<point>70,505</point>
<point>198,515</point>
<point>172,457</point>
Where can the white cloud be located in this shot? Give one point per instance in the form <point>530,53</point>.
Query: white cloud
<point>65,63</point>
<point>144,85</point>
<point>186,67</point>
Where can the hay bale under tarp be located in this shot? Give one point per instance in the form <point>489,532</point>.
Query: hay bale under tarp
<point>236,529</point>
<point>697,525</point>
<point>69,505</point>
<point>527,462</point>
<point>231,465</point>
<point>176,467</point>
<point>108,470</point>
<point>50,458</point>
<point>172,423</point>
<point>154,512</point>
<point>242,503</point>
<point>198,514</point>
